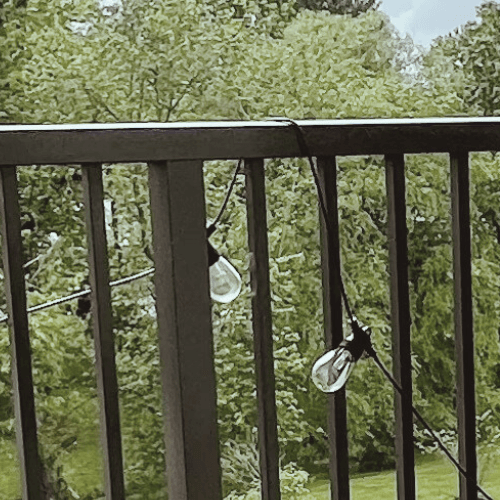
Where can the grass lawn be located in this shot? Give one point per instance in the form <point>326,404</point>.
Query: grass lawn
<point>84,465</point>
<point>10,486</point>
<point>436,477</point>
<point>82,468</point>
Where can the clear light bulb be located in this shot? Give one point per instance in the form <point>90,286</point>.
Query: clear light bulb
<point>331,371</point>
<point>225,282</point>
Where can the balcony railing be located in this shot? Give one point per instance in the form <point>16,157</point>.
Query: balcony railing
<point>175,153</point>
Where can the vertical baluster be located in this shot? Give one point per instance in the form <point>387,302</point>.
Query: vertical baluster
<point>185,330</point>
<point>464,336</point>
<point>24,403</point>
<point>102,316</point>
<point>330,257</point>
<point>262,328</point>
<point>400,313</point>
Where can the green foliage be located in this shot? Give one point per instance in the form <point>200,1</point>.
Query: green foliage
<point>342,67</point>
<point>354,8</point>
<point>473,50</point>
<point>240,461</point>
<point>272,17</point>
<point>159,58</point>
<point>293,481</point>
<point>6,406</point>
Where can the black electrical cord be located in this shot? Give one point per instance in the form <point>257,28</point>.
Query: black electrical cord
<point>128,279</point>
<point>213,226</point>
<point>82,293</point>
<point>304,149</point>
<point>370,351</point>
<point>419,416</point>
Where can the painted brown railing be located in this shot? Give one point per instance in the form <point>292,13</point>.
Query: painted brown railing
<point>175,153</point>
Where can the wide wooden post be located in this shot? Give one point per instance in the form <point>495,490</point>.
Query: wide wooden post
<point>185,330</point>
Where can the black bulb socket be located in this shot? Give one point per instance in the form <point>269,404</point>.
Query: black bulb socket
<point>360,342</point>
<point>213,254</point>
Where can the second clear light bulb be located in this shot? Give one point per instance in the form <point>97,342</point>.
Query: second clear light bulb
<point>331,371</point>
<point>225,282</point>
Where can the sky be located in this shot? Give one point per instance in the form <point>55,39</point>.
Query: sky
<point>425,20</point>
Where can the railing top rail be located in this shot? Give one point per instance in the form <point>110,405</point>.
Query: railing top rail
<point>364,122</point>
<point>131,142</point>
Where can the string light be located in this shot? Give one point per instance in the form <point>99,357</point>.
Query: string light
<point>225,281</point>
<point>82,293</point>
<point>331,371</point>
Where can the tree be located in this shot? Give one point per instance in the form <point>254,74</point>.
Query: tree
<point>168,58</point>
<point>11,12</point>
<point>272,17</point>
<point>354,8</point>
<point>473,50</point>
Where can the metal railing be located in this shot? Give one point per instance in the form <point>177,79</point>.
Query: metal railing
<point>175,153</point>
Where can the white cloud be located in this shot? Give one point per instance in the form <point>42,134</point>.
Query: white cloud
<point>403,21</point>
<point>425,20</point>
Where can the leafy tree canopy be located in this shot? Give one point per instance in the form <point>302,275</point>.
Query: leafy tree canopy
<point>354,8</point>
<point>473,52</point>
